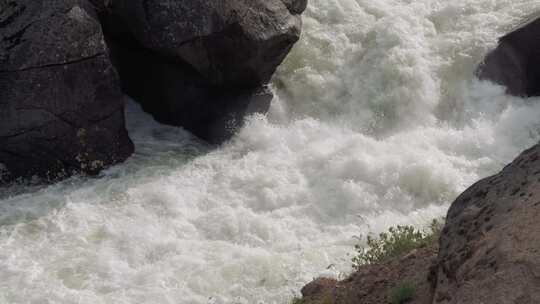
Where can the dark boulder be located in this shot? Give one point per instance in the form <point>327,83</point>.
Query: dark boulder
<point>61,106</point>
<point>237,43</point>
<point>296,6</point>
<point>515,62</point>
<point>194,63</point>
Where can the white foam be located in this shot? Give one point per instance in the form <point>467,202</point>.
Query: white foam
<point>378,121</point>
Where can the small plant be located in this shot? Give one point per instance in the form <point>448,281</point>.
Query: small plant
<point>435,229</point>
<point>397,241</point>
<point>403,293</point>
<point>297,300</point>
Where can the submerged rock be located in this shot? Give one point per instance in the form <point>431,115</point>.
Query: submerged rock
<point>61,106</point>
<point>515,62</point>
<point>490,247</point>
<point>195,63</point>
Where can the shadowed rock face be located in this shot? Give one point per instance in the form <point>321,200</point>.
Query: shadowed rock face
<point>61,107</point>
<point>201,64</point>
<point>515,62</point>
<point>490,247</point>
<point>175,94</point>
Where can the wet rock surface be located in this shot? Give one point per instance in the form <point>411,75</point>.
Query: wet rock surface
<point>515,62</point>
<point>61,106</point>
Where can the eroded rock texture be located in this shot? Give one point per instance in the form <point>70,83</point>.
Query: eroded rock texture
<point>515,62</point>
<point>374,284</point>
<point>490,247</point>
<point>207,59</point>
<point>61,106</point>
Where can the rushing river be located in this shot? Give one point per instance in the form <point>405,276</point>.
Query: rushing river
<point>378,120</point>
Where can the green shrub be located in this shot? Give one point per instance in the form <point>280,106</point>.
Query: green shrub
<point>397,241</point>
<point>434,231</point>
<point>403,293</point>
<point>297,301</point>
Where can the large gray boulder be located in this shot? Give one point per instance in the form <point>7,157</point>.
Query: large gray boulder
<point>232,42</point>
<point>490,246</point>
<point>515,62</point>
<point>194,63</point>
<point>61,106</point>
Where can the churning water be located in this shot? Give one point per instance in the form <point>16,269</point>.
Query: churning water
<point>377,121</point>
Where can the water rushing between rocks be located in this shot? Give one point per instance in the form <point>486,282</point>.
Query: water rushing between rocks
<point>378,120</point>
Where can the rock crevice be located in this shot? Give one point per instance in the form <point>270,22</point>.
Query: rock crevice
<point>52,65</point>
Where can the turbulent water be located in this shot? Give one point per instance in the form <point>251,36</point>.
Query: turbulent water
<point>378,120</point>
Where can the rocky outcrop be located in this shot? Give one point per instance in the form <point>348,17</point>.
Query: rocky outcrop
<point>490,247</point>
<point>61,107</point>
<point>514,63</point>
<point>374,284</point>
<point>209,60</point>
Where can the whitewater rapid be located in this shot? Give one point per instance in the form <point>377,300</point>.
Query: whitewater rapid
<point>377,120</point>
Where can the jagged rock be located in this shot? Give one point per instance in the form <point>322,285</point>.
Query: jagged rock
<point>61,106</point>
<point>515,61</point>
<point>490,247</point>
<point>208,59</point>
